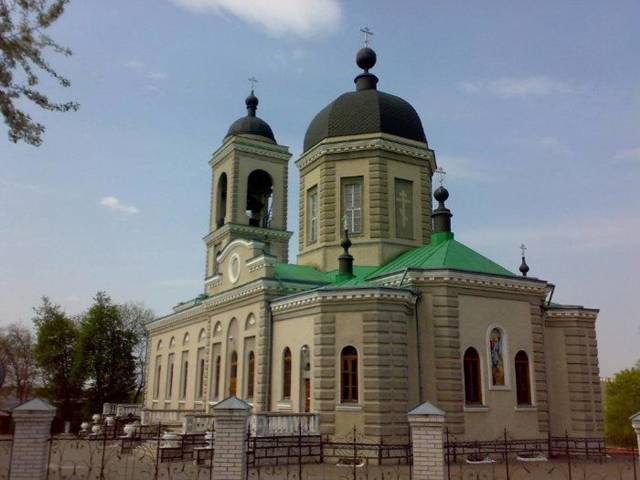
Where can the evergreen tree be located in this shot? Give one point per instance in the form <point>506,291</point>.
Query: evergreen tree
<point>105,354</point>
<point>56,343</point>
<point>621,401</point>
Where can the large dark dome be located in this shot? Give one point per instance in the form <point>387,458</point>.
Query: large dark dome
<point>366,110</point>
<point>250,124</point>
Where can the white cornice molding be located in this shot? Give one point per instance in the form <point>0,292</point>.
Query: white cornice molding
<point>572,313</point>
<point>195,313</point>
<point>246,229</point>
<point>469,279</point>
<point>342,295</point>
<point>386,142</point>
<point>246,145</point>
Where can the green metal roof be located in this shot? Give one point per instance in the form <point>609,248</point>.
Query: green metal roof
<point>442,253</point>
<point>309,274</point>
<point>301,273</point>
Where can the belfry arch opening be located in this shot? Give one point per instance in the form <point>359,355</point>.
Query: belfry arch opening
<point>221,200</point>
<point>259,198</point>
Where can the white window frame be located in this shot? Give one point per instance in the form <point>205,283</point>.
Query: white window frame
<point>353,219</point>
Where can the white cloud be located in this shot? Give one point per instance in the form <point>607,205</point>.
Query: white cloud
<point>628,154</point>
<point>157,75</point>
<point>114,204</point>
<point>134,64</point>
<point>507,87</point>
<point>278,17</point>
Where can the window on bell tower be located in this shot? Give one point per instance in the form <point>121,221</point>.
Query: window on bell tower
<point>352,204</point>
<point>312,215</point>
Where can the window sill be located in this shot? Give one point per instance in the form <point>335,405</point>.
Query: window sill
<point>348,407</point>
<point>475,408</point>
<point>526,408</point>
<point>284,405</point>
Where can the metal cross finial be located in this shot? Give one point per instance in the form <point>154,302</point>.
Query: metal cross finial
<point>253,81</point>
<point>523,249</point>
<point>441,172</point>
<point>366,32</point>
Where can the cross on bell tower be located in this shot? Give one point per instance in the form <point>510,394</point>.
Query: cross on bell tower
<point>253,81</point>
<point>367,33</point>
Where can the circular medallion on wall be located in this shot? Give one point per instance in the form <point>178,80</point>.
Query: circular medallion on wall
<point>234,268</point>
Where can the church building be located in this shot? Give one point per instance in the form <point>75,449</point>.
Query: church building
<point>384,308</point>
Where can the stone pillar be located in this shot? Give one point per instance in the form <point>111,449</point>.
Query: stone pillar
<point>426,423</point>
<point>30,449</point>
<point>230,455</point>
<point>635,423</point>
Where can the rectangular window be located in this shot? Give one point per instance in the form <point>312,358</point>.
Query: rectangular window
<point>200,373</point>
<point>312,215</point>
<point>404,208</point>
<point>352,204</point>
<point>170,368</point>
<point>184,375</point>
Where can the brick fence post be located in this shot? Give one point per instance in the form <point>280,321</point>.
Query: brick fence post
<point>30,449</point>
<point>427,423</point>
<point>230,418</point>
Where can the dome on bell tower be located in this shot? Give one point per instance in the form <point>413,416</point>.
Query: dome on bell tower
<point>367,110</point>
<point>252,124</point>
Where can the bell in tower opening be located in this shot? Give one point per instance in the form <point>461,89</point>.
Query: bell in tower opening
<point>259,199</point>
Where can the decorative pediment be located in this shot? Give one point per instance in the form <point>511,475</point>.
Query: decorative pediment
<point>240,262</point>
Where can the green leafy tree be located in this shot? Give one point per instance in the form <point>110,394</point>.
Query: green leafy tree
<point>621,401</point>
<point>23,43</point>
<point>56,343</point>
<point>105,354</point>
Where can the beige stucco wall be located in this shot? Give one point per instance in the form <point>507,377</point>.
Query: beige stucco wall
<point>378,165</point>
<point>477,317</point>
<point>575,394</point>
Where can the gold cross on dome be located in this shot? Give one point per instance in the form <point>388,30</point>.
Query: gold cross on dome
<point>441,173</point>
<point>366,32</point>
<point>253,81</point>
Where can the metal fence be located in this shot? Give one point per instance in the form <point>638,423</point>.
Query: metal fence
<point>560,457</point>
<point>149,452</point>
<point>307,457</point>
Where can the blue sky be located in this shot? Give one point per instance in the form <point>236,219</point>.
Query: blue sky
<point>533,108</point>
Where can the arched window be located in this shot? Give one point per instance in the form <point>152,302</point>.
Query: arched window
<point>185,379</point>
<point>201,378</point>
<point>221,201</point>
<point>472,385</point>
<point>158,377</point>
<point>217,377</point>
<point>172,342</point>
<point>159,347</point>
<point>523,384</point>
<point>251,368</point>
<point>233,374</point>
<point>349,375</point>
<point>185,339</point>
<point>286,373</point>
<point>259,198</point>
<point>202,336</point>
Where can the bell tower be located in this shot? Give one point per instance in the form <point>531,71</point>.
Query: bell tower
<point>248,189</point>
